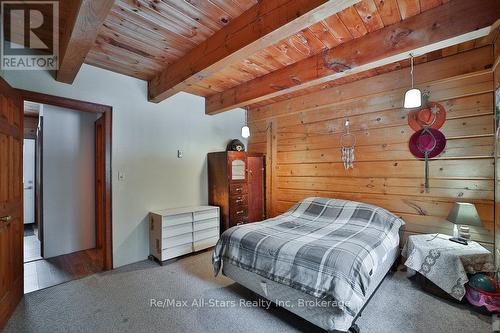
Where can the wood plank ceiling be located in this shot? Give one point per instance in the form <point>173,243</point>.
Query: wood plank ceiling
<point>139,38</point>
<point>142,38</point>
<point>352,23</point>
<point>435,55</point>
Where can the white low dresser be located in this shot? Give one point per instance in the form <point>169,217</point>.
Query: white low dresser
<point>178,231</point>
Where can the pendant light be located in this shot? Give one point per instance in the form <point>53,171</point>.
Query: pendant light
<point>245,130</point>
<point>413,97</point>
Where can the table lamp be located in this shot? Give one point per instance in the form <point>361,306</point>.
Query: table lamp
<point>465,215</point>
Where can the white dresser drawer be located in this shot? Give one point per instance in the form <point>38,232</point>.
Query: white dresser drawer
<point>206,233</point>
<point>169,242</point>
<point>206,214</point>
<point>177,229</point>
<point>176,251</point>
<point>206,224</point>
<point>205,243</point>
<point>175,232</point>
<point>177,219</point>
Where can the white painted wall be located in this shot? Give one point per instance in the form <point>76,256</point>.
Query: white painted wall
<point>29,180</point>
<point>146,137</point>
<point>68,181</point>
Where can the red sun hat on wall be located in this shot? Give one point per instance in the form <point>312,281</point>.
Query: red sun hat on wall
<point>432,116</point>
<point>428,140</point>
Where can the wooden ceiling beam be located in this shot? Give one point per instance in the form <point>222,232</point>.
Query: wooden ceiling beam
<point>82,21</point>
<point>452,23</point>
<point>261,26</point>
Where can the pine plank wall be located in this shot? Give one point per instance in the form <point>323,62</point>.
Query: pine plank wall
<point>301,139</point>
<point>496,76</point>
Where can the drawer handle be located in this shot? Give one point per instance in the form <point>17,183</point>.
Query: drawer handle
<point>6,219</point>
<point>239,200</point>
<point>240,223</point>
<point>238,189</point>
<point>240,212</point>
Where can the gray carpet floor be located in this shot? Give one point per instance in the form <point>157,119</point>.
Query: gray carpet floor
<point>119,301</point>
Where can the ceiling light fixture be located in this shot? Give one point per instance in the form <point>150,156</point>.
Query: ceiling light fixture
<point>413,97</point>
<point>245,130</point>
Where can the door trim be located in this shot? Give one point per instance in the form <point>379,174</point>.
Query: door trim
<point>107,112</point>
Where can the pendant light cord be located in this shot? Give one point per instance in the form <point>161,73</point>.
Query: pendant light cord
<point>411,71</point>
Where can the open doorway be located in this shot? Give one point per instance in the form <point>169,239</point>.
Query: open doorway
<point>67,191</point>
<point>32,245</point>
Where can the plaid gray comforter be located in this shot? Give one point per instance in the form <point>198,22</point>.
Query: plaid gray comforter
<point>327,248</point>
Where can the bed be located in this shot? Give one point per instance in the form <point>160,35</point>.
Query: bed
<point>321,260</point>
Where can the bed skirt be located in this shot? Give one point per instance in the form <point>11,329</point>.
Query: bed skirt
<point>326,315</point>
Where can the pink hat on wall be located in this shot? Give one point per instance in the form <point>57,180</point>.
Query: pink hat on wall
<point>429,140</point>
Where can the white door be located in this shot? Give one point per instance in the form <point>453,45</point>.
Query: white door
<point>29,180</point>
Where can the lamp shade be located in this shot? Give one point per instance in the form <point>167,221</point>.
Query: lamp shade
<point>413,98</point>
<point>465,214</point>
<point>245,132</point>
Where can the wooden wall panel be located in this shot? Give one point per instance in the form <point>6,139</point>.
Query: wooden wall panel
<point>496,74</point>
<point>302,137</point>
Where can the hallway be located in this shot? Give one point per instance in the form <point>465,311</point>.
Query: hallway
<point>40,273</point>
<point>32,246</point>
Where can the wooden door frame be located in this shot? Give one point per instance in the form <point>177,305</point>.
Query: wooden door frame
<point>107,112</point>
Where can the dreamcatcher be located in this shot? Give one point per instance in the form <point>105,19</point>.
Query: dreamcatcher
<point>347,143</point>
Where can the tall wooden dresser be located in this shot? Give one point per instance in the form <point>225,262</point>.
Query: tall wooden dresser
<point>236,185</point>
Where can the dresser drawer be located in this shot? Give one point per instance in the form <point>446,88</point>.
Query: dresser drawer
<point>234,221</point>
<point>177,219</point>
<point>176,251</point>
<point>205,243</point>
<point>174,232</point>
<point>238,200</point>
<point>169,242</point>
<point>206,214</point>
<point>236,189</point>
<point>238,221</point>
<point>206,224</point>
<point>206,233</point>
<point>238,212</point>
<point>177,229</point>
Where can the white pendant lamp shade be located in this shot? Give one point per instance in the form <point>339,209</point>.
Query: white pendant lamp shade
<point>413,97</point>
<point>245,132</point>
